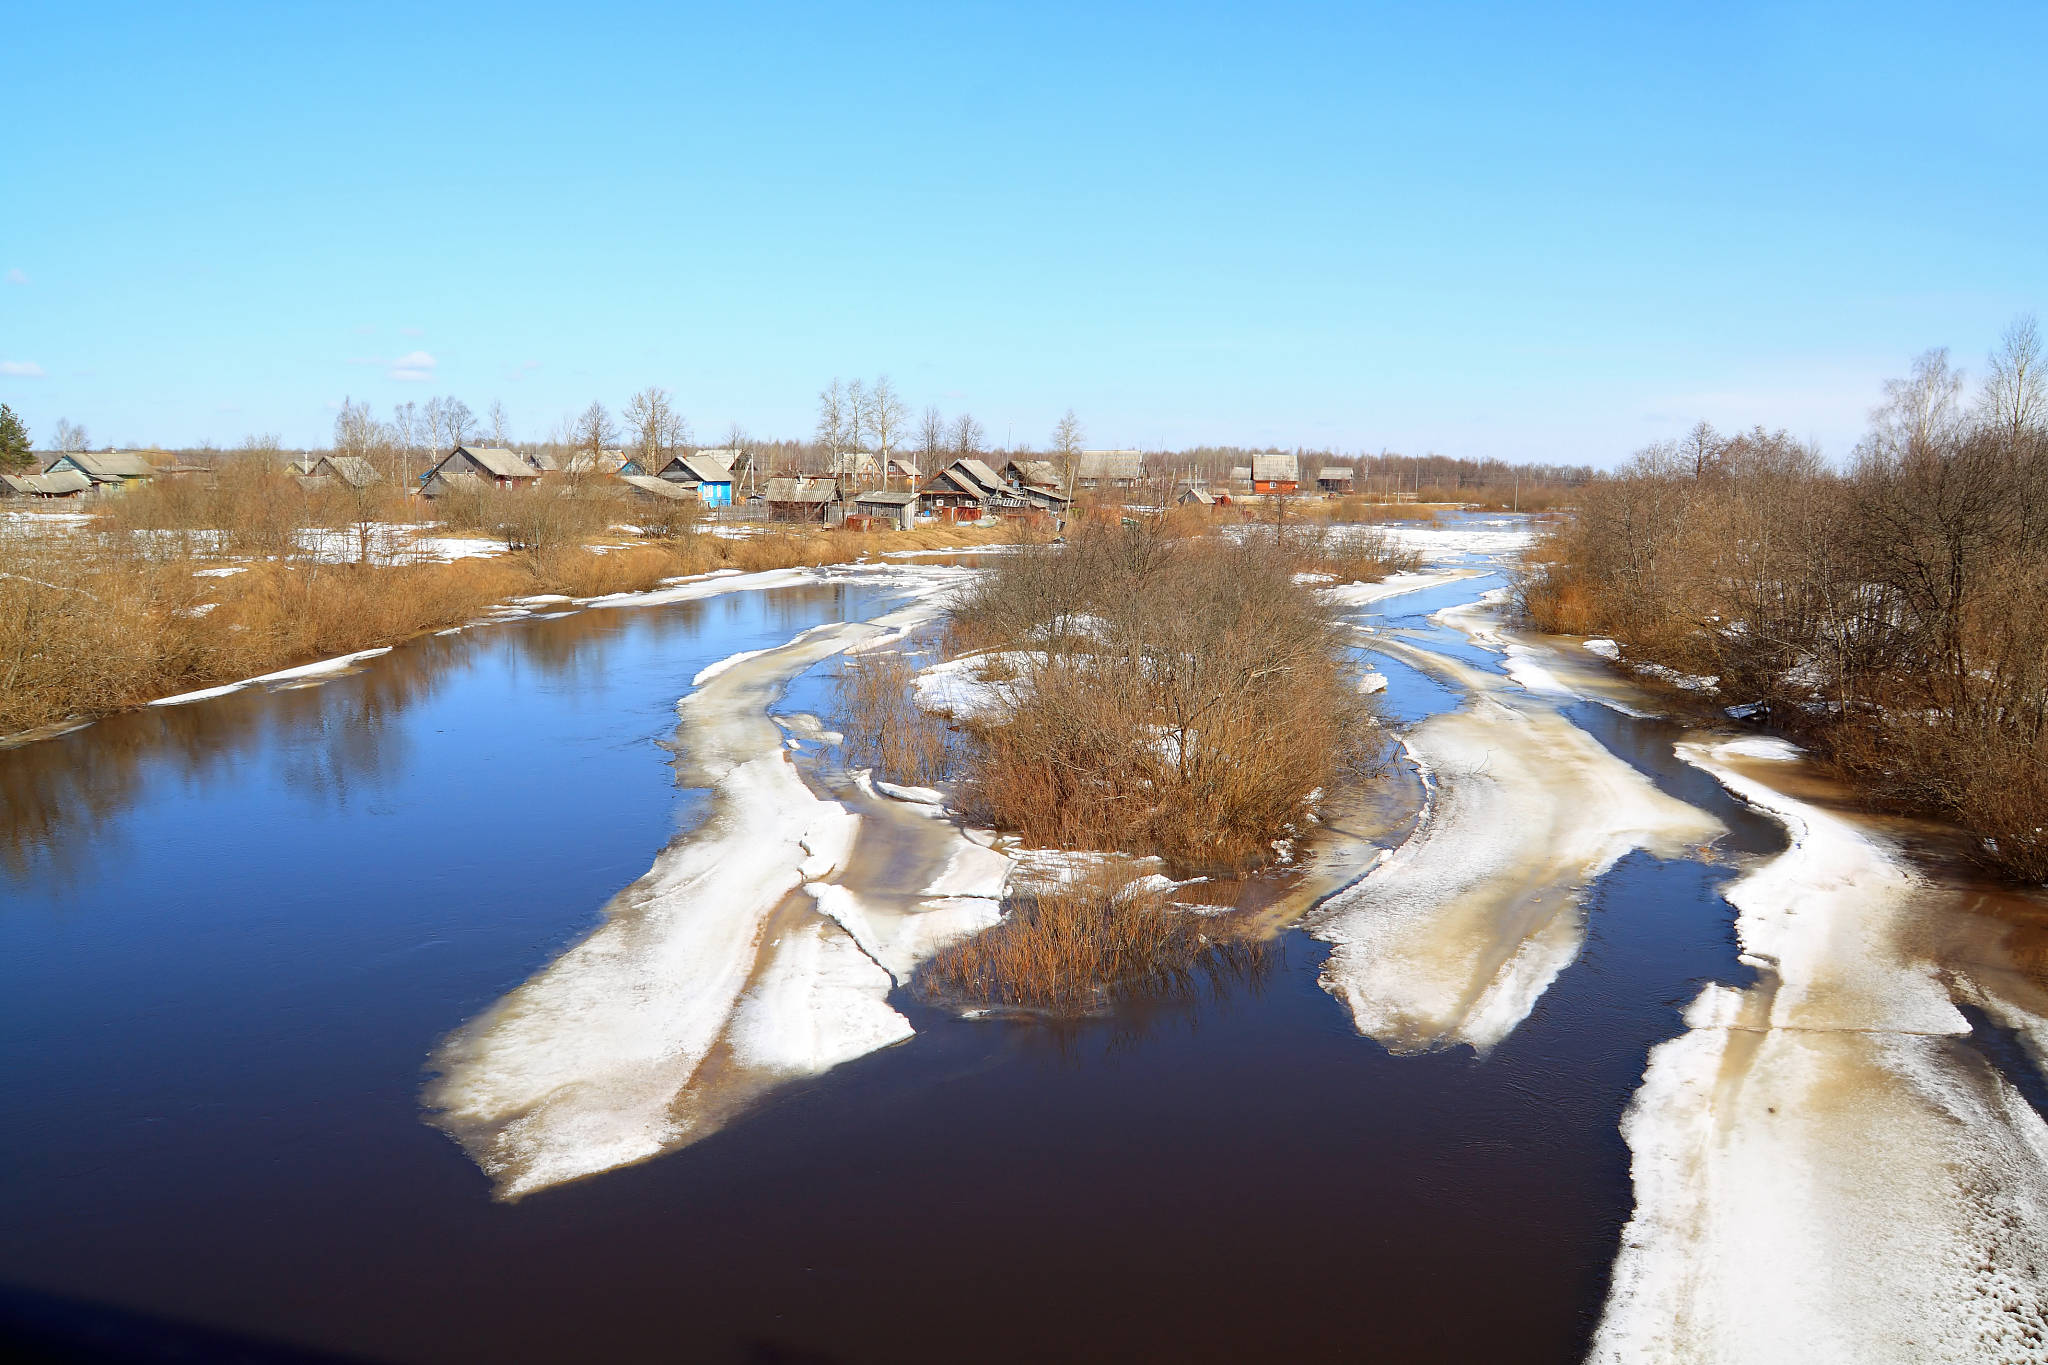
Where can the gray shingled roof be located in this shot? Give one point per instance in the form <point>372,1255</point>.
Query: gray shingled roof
<point>1334,472</point>
<point>1112,464</point>
<point>503,463</point>
<point>1042,473</point>
<point>1276,469</point>
<point>108,464</point>
<point>698,468</point>
<point>661,488</point>
<point>801,490</point>
<point>353,470</point>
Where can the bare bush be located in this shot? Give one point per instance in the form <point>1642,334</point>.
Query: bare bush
<point>1070,947</point>
<point>1184,697</point>
<point>885,729</point>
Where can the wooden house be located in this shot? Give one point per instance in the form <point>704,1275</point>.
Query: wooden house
<point>1335,479</point>
<point>712,479</point>
<point>493,466</point>
<point>800,499</point>
<point>1119,469</point>
<point>110,471</point>
<point>894,511</point>
<point>1275,473</point>
<point>64,483</point>
<point>352,471</point>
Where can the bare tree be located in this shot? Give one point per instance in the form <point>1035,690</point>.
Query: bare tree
<point>1066,442</point>
<point>658,429</point>
<point>595,432</point>
<point>1919,412</point>
<point>742,461</point>
<point>968,437</point>
<point>857,402</point>
<point>832,419</point>
<point>461,421</point>
<point>1701,450</point>
<point>356,432</point>
<point>69,437</point>
<point>405,439</point>
<point>501,425</point>
<point>2015,399</point>
<point>886,415</point>
<point>931,438</point>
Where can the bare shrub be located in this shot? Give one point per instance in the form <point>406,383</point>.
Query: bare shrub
<point>1183,697</point>
<point>1070,947</point>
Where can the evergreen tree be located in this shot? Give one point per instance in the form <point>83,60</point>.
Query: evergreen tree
<point>15,454</point>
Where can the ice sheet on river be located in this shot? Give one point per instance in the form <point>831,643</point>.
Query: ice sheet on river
<point>1825,1170</point>
<point>708,974</point>
<point>1454,936</point>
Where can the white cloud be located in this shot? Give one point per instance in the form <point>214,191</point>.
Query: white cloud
<point>21,369</point>
<point>17,276</point>
<point>413,365</point>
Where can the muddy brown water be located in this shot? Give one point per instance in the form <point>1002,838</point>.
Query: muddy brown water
<point>232,932</point>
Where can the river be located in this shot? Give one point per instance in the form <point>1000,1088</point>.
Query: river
<point>332,1022</point>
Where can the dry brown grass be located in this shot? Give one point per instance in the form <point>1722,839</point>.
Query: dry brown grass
<point>1069,948</point>
<point>98,620</point>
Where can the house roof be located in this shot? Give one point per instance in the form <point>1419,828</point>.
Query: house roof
<point>107,464</point>
<point>961,481</point>
<point>50,485</point>
<point>353,470</point>
<point>1241,472</point>
<point>1111,464</point>
<point>899,465</point>
<point>1334,474</point>
<point>853,462</point>
<point>988,479</point>
<point>1276,469</point>
<point>661,488</point>
<point>1197,495</point>
<point>891,499</point>
<point>1043,473</point>
<point>699,468</point>
<point>313,483</point>
<point>453,478</point>
<point>503,463</point>
<point>801,490</point>
<point>726,457</point>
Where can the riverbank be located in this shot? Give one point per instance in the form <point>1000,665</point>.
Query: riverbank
<point>91,624</point>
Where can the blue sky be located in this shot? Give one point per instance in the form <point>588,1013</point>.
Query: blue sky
<point>1542,232</point>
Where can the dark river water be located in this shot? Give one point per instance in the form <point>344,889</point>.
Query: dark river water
<point>232,932</point>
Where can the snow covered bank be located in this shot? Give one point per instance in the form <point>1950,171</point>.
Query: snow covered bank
<point>1823,1170</point>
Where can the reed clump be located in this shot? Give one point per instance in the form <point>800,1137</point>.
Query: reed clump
<point>884,726</point>
<point>1071,947</point>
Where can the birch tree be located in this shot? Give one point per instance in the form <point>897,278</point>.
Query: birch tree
<point>931,439</point>
<point>658,429</point>
<point>832,419</point>
<point>886,418</point>
<point>1067,438</point>
<point>968,436</point>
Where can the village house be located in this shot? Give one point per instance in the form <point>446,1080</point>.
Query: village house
<point>800,499</point>
<point>968,490</point>
<point>110,471</point>
<point>1241,478</point>
<point>1334,479</point>
<point>650,488</point>
<point>892,511</point>
<point>492,466</point>
<point>352,470</point>
<point>1032,474</point>
<point>1122,469</point>
<point>1275,474</point>
<point>1195,497</point>
<point>64,483</point>
<point>900,468</point>
<point>712,479</point>
<point>854,464</point>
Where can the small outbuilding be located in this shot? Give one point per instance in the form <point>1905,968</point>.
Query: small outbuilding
<point>894,511</point>
<point>800,499</point>
<point>1195,497</point>
<point>1335,479</point>
<point>351,470</point>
